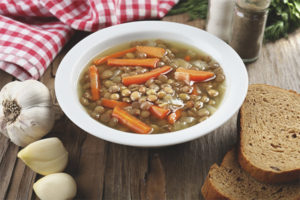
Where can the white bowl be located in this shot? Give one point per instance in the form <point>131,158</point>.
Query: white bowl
<point>77,58</point>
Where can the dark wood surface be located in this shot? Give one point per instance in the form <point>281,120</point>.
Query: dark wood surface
<point>104,170</point>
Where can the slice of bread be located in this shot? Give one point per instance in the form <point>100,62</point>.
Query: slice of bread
<point>230,181</point>
<point>269,123</point>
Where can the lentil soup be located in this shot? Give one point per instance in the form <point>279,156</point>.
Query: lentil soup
<point>151,86</point>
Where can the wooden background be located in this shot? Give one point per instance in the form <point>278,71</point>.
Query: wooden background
<point>104,170</point>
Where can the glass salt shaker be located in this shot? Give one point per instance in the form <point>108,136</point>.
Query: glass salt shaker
<point>219,18</point>
<point>249,20</point>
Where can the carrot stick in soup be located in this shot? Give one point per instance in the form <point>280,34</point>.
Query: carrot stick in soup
<point>156,52</point>
<point>142,78</point>
<point>95,82</point>
<point>114,55</point>
<point>146,62</point>
<point>130,121</point>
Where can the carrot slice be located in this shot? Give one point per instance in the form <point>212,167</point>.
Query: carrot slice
<point>130,121</point>
<point>95,82</point>
<point>147,62</point>
<point>194,91</point>
<point>142,78</point>
<point>156,52</point>
<point>109,103</point>
<point>159,112</point>
<point>114,55</point>
<point>187,58</point>
<point>196,75</point>
<point>173,117</point>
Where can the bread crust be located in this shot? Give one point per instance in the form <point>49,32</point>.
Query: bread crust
<point>209,191</point>
<point>260,174</point>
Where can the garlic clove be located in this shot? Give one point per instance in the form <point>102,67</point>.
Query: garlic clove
<point>37,120</point>
<point>45,156</point>
<point>58,186</point>
<point>38,95</point>
<point>10,90</point>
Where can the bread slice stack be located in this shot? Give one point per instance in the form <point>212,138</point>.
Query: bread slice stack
<point>230,181</point>
<point>266,163</point>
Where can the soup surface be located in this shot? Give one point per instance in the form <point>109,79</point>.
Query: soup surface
<point>151,86</point>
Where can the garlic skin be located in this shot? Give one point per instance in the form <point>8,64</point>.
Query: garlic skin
<point>59,186</point>
<point>26,113</point>
<point>45,156</point>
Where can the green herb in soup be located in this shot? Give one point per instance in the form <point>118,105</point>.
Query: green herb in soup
<point>151,86</point>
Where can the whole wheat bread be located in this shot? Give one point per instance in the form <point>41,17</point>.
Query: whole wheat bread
<point>230,181</point>
<point>269,123</point>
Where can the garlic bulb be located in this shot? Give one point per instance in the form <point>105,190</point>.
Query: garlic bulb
<point>45,156</point>
<point>26,113</point>
<point>59,186</point>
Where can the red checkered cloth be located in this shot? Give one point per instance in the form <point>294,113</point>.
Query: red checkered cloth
<point>32,32</point>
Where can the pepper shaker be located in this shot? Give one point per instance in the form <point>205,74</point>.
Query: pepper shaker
<point>249,20</point>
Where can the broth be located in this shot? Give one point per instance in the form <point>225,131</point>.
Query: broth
<point>177,90</point>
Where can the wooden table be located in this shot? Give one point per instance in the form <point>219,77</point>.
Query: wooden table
<point>104,170</point>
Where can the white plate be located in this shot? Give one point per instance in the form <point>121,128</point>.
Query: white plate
<point>76,59</point>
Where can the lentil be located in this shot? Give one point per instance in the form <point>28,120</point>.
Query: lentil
<point>115,96</point>
<point>184,96</point>
<point>151,92</point>
<point>126,92</point>
<point>152,98</point>
<point>205,99</point>
<point>203,112</point>
<point>117,79</point>
<point>163,78</point>
<point>145,105</point>
<point>126,99</point>
<point>149,82</point>
<point>154,87</point>
<point>189,104</point>
<point>87,95</point>
<point>142,99</point>
<point>135,96</point>
<point>186,89</point>
<point>106,116</point>
<point>95,115</point>
<point>84,101</point>
<point>108,83</point>
<point>107,95</point>
<point>134,87</point>
<point>113,122</point>
<point>199,104</point>
<point>99,109</point>
<point>114,88</point>
<point>145,114</point>
<point>213,93</point>
<point>168,90</point>
<point>107,74</point>
<point>161,94</point>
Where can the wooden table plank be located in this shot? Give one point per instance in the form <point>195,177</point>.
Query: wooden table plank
<point>7,149</point>
<point>105,170</point>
